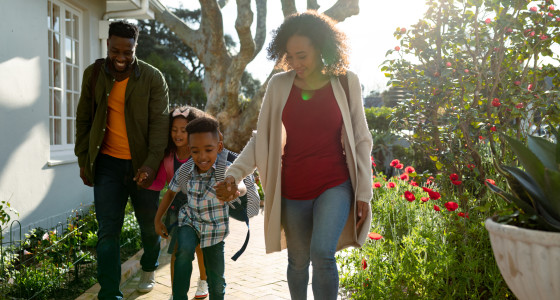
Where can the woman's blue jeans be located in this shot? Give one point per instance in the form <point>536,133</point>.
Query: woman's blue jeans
<point>187,240</point>
<point>313,228</point>
<point>113,186</point>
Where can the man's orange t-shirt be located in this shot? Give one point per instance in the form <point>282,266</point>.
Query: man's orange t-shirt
<point>115,142</point>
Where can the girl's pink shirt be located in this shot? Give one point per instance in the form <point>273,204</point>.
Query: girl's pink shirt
<point>160,180</point>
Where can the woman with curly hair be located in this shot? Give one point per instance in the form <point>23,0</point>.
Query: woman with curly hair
<point>312,149</point>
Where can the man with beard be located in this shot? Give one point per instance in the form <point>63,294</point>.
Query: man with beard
<point>122,126</point>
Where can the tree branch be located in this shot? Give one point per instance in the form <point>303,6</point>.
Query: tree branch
<point>212,28</point>
<point>260,34</point>
<point>343,9</point>
<point>312,4</point>
<point>179,27</point>
<point>288,7</point>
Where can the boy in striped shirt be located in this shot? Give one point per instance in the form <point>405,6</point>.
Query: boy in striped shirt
<point>203,219</point>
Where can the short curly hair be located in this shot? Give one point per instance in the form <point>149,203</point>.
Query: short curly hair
<point>322,32</point>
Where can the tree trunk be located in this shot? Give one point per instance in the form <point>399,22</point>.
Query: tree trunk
<point>223,71</point>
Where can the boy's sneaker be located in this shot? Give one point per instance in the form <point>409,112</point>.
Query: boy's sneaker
<point>147,282</point>
<point>201,290</point>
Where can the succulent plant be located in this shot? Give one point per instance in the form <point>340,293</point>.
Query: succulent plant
<point>535,189</point>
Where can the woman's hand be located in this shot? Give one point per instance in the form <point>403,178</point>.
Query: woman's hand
<point>161,230</point>
<point>226,190</point>
<point>362,210</point>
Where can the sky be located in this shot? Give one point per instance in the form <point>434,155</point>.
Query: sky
<point>370,33</point>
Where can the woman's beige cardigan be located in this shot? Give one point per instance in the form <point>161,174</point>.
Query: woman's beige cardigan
<point>264,151</point>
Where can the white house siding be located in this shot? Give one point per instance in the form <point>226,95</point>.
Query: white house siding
<point>42,187</point>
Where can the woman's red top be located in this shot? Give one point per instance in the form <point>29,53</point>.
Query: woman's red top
<point>313,159</point>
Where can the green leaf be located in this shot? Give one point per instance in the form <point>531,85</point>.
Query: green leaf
<point>523,186</point>
<point>543,149</point>
<point>528,159</point>
<point>552,191</point>
<point>526,207</point>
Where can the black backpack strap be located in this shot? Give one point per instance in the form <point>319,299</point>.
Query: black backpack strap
<point>220,176</point>
<point>93,83</point>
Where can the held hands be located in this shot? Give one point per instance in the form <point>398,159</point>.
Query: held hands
<point>144,176</point>
<point>362,210</point>
<point>227,190</point>
<point>161,230</point>
<point>84,179</point>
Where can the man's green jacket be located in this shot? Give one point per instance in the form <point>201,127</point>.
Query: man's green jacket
<point>146,117</point>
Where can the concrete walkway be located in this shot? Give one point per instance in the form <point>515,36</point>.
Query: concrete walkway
<point>255,275</point>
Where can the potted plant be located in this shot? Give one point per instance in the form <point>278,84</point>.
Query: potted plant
<point>526,244</point>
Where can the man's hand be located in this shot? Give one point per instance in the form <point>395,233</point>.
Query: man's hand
<point>144,177</point>
<point>362,210</point>
<point>161,230</point>
<point>84,179</point>
<point>226,190</point>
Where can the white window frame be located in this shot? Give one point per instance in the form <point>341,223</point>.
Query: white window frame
<point>68,85</point>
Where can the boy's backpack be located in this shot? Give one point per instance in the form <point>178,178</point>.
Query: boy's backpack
<point>245,206</point>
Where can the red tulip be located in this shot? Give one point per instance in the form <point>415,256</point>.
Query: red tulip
<point>375,236</point>
<point>409,196</point>
<point>451,206</point>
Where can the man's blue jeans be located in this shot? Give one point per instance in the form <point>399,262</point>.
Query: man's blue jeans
<point>113,185</point>
<point>313,228</point>
<point>187,239</point>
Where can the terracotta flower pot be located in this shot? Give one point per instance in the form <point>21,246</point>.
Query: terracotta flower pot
<point>529,260</point>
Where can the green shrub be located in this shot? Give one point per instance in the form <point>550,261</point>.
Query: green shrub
<point>424,253</point>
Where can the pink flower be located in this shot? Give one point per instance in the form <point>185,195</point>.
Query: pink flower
<point>532,33</point>
<point>519,105</point>
<point>394,162</point>
<point>517,82</point>
<point>557,19</point>
<point>448,64</point>
<point>530,87</point>
<point>551,7</point>
<point>424,199</point>
<point>490,181</point>
<point>543,37</point>
<point>533,9</point>
<point>409,169</point>
<point>413,183</point>
<point>509,30</point>
<point>399,166</point>
<point>403,30</point>
<point>375,236</point>
<point>376,185</point>
<point>409,196</point>
<point>466,70</point>
<point>436,208</point>
<point>488,21</point>
<point>397,48</point>
<point>391,185</point>
<point>404,177</point>
<point>451,206</point>
<point>25,252</point>
<point>550,14</point>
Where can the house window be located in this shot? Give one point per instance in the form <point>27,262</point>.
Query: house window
<point>64,36</point>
